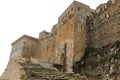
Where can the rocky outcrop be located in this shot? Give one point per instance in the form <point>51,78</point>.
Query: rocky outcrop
<point>100,63</point>
<point>36,72</point>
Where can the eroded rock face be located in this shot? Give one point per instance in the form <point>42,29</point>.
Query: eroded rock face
<point>100,63</point>
<point>104,25</point>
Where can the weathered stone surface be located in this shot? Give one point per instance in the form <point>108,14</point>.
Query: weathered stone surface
<point>12,71</point>
<point>31,71</point>
<point>63,41</point>
<point>100,63</point>
<point>104,27</point>
<point>84,41</point>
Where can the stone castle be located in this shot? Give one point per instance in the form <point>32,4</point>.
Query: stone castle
<point>84,41</point>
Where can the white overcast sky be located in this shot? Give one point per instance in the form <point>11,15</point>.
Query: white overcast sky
<point>18,17</point>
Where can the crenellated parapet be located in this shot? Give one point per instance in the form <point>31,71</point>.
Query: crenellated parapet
<point>54,29</point>
<point>43,34</point>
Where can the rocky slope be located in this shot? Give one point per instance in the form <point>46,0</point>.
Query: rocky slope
<point>31,71</point>
<point>101,63</point>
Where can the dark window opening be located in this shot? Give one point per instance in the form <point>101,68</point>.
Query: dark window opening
<point>32,75</point>
<point>78,8</point>
<point>65,48</point>
<point>64,56</point>
<point>71,8</point>
<point>53,46</point>
<point>68,13</point>
<point>59,67</point>
<point>47,48</point>
<point>65,15</point>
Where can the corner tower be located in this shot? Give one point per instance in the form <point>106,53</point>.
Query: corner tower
<point>22,51</point>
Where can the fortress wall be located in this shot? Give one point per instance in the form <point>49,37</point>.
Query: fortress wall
<point>78,27</point>
<point>66,15</point>
<point>54,47</point>
<point>65,38</point>
<point>22,50</point>
<point>45,51</point>
<point>51,46</point>
<point>105,26</point>
<point>29,48</point>
<point>81,12</point>
<point>12,72</point>
<point>17,49</point>
<point>65,42</point>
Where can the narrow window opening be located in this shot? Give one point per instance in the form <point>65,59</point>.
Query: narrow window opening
<point>71,8</point>
<point>78,8</point>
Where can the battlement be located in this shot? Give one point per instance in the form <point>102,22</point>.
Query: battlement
<point>43,34</point>
<point>54,29</point>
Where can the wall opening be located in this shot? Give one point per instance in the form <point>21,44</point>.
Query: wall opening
<point>78,8</point>
<point>63,57</point>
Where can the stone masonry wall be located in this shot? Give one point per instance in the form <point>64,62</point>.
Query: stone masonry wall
<point>65,41</point>
<point>46,49</point>
<point>81,33</point>
<point>104,27</point>
<point>80,36</point>
<point>23,47</point>
<point>12,71</point>
<point>22,50</point>
<point>29,47</point>
<point>46,46</point>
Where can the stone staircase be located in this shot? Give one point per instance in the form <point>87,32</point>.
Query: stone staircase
<point>36,72</point>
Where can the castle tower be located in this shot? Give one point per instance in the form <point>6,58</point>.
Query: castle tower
<point>66,43</point>
<point>21,51</point>
<point>71,36</point>
<point>23,48</point>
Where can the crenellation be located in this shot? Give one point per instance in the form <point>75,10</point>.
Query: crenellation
<point>43,34</point>
<point>54,29</point>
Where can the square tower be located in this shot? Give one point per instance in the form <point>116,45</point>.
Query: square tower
<point>71,36</point>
